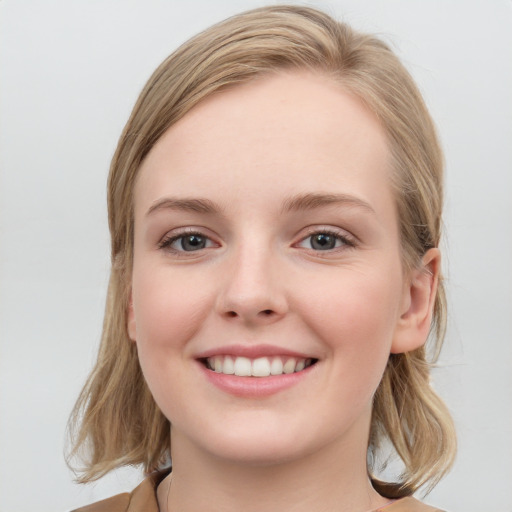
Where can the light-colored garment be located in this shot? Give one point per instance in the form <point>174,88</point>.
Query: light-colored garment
<point>143,499</point>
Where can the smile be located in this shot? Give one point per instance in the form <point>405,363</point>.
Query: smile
<point>258,367</point>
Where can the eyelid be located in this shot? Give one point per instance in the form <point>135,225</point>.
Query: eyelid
<point>349,241</point>
<point>170,237</point>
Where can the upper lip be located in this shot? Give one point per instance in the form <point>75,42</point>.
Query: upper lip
<point>251,352</point>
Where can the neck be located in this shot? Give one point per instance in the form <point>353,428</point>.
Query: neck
<point>332,479</point>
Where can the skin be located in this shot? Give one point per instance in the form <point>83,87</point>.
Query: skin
<point>254,151</point>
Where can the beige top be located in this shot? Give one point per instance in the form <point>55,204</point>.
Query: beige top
<point>143,499</point>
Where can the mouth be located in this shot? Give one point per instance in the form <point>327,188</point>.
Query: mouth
<point>257,367</point>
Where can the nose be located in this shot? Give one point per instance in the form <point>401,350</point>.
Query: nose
<point>253,288</point>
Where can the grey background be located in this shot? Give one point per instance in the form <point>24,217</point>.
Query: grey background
<point>70,72</point>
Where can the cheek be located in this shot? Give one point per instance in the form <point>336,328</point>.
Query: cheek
<point>168,310</point>
<point>166,307</point>
<point>356,315</point>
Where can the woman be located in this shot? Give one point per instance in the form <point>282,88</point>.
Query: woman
<point>275,206</point>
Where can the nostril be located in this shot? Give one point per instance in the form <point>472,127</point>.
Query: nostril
<point>250,315</point>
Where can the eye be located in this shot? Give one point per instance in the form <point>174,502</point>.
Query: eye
<point>186,242</point>
<point>325,241</point>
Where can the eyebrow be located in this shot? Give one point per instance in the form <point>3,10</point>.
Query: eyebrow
<point>299,202</point>
<point>196,205</point>
<point>312,201</point>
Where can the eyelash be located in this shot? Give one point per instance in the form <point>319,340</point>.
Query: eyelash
<point>346,241</point>
<point>168,240</point>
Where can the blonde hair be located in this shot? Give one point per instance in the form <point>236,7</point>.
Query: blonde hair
<point>116,421</point>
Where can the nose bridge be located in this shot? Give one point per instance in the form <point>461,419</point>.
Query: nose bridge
<point>252,288</point>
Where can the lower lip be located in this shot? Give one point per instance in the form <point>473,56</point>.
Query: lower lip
<point>254,387</point>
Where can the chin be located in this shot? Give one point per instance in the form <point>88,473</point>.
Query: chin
<point>259,444</point>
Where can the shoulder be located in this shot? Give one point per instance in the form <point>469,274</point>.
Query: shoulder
<point>141,499</point>
<point>117,503</point>
<point>409,505</point>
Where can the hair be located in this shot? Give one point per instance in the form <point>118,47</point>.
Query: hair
<point>116,421</point>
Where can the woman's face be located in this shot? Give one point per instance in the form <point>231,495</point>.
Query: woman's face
<point>267,286</point>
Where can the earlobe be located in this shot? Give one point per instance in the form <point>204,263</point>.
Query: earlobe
<point>130,320</point>
<point>418,304</point>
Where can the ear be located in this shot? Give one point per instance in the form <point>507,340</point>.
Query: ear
<point>418,304</point>
<point>130,319</point>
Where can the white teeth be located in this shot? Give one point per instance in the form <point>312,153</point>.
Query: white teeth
<point>229,366</point>
<point>260,367</point>
<point>243,367</point>
<point>300,365</point>
<point>276,368</point>
<point>289,366</point>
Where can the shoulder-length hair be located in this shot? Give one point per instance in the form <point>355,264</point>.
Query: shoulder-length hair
<point>115,421</point>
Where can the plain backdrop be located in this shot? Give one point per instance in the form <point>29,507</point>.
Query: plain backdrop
<point>70,73</point>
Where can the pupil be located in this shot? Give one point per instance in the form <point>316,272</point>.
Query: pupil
<point>193,242</point>
<point>323,242</point>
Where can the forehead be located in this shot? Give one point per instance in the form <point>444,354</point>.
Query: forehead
<point>298,130</point>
